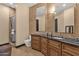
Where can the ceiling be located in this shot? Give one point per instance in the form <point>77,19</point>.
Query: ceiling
<point>60,7</point>
<point>40,11</point>
<point>13,5</point>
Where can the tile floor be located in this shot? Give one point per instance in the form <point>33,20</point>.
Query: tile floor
<point>25,51</point>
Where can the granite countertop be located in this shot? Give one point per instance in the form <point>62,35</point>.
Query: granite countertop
<point>72,41</point>
<point>67,40</point>
<point>43,34</point>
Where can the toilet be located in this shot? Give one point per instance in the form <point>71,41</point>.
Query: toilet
<point>28,41</point>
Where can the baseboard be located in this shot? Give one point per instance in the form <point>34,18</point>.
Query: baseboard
<point>20,45</point>
<point>4,44</point>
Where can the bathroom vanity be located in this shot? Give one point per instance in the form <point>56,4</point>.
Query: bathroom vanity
<point>44,45</point>
<point>55,46</point>
<point>64,20</point>
<point>36,42</point>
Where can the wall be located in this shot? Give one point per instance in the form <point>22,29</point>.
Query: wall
<point>41,23</point>
<point>69,17</point>
<point>76,17</point>
<point>12,12</point>
<point>65,18</point>
<point>60,18</point>
<point>22,23</point>
<point>49,19</point>
<point>49,22</point>
<point>4,24</point>
<point>32,17</point>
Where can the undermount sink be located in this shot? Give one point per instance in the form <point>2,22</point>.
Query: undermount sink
<point>77,42</point>
<point>57,38</point>
<point>74,40</point>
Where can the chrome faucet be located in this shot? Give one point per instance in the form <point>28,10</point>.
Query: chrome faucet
<point>77,39</point>
<point>49,34</point>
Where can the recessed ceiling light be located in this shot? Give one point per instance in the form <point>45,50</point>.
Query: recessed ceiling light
<point>64,5</point>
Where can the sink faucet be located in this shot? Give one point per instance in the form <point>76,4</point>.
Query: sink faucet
<point>61,36</point>
<point>77,38</point>
<point>49,34</point>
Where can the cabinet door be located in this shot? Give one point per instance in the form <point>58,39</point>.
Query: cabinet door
<point>66,54</point>
<point>70,50</point>
<point>54,43</point>
<point>36,42</point>
<point>44,45</point>
<point>54,48</point>
<point>52,51</point>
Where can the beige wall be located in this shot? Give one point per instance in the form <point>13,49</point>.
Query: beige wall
<point>32,17</point>
<point>4,24</point>
<point>76,17</point>
<point>69,16</point>
<point>22,23</point>
<point>49,19</point>
<point>65,18</point>
<point>41,22</point>
<point>60,18</point>
<point>12,12</point>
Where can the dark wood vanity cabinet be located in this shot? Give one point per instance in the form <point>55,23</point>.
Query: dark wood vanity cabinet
<point>44,43</point>
<point>54,48</point>
<point>46,46</point>
<point>69,50</point>
<point>36,42</point>
<point>53,51</point>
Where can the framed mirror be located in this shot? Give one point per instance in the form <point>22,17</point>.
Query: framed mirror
<point>64,17</point>
<point>40,18</point>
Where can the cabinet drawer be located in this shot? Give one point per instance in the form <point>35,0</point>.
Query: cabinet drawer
<point>52,51</point>
<point>44,45</point>
<point>73,50</point>
<point>55,44</point>
<point>44,40</point>
<point>36,46</point>
<point>36,41</point>
<point>35,38</point>
<point>66,54</point>
<point>44,51</point>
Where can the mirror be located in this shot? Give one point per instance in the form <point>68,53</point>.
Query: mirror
<point>64,17</point>
<point>40,18</point>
